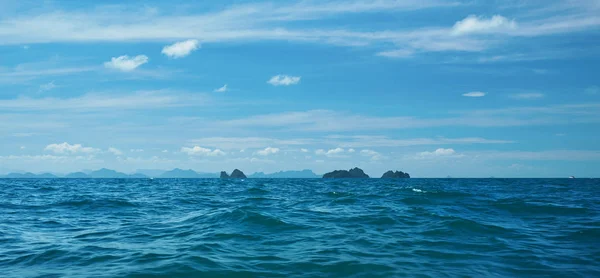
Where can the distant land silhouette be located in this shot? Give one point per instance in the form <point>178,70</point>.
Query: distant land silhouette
<point>178,173</point>
<point>354,173</point>
<point>395,175</point>
<point>304,174</point>
<point>236,174</point>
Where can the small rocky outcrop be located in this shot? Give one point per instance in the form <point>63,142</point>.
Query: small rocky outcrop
<point>354,173</point>
<point>224,175</point>
<point>236,174</point>
<point>395,175</point>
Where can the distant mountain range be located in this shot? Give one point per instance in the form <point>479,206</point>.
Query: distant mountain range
<point>304,174</point>
<point>144,174</point>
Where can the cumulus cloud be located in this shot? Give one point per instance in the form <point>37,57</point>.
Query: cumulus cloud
<point>475,24</point>
<point>267,151</point>
<point>199,151</point>
<point>351,150</point>
<point>330,153</point>
<point>304,150</point>
<point>126,63</point>
<point>115,151</point>
<point>181,49</point>
<point>371,153</point>
<point>284,80</point>
<point>136,150</point>
<point>437,153</point>
<point>222,89</point>
<point>474,94</point>
<point>66,148</point>
<point>527,96</point>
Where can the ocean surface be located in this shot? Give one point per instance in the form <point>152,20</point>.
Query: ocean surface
<point>300,228</point>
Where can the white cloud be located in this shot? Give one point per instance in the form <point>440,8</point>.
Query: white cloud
<point>136,150</point>
<point>164,151</point>
<point>548,155</point>
<point>274,21</point>
<point>358,141</point>
<point>399,53</point>
<point>115,151</point>
<point>199,151</point>
<point>527,96</point>
<point>330,121</point>
<point>474,94</point>
<point>304,150</point>
<point>138,100</point>
<point>66,148</point>
<point>371,153</point>
<point>22,147</point>
<point>222,89</point>
<point>475,24</point>
<point>229,143</point>
<point>351,150</point>
<point>48,86</point>
<point>267,151</point>
<point>124,63</point>
<point>181,49</point>
<point>437,153</point>
<point>284,80</point>
<point>330,153</point>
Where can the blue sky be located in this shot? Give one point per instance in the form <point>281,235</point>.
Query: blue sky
<point>432,87</point>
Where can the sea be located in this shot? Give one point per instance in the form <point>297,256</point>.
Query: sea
<point>299,228</point>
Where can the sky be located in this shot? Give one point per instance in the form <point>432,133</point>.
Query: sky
<point>434,88</point>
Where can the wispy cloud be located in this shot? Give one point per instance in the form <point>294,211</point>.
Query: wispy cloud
<point>19,74</point>
<point>372,154</point>
<point>475,24</point>
<point>181,49</point>
<point>47,87</point>
<point>221,89</point>
<point>241,143</point>
<point>474,94</point>
<point>398,53</point>
<point>126,63</point>
<point>66,148</point>
<point>115,151</point>
<point>331,121</point>
<point>139,100</point>
<point>527,96</point>
<point>284,80</point>
<point>270,21</point>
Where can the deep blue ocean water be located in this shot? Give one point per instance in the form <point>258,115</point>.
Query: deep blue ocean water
<point>300,228</point>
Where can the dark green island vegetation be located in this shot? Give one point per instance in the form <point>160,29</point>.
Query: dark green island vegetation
<point>354,173</point>
<point>395,175</point>
<point>357,173</point>
<point>236,174</point>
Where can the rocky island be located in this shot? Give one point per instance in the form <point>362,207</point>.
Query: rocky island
<point>355,173</point>
<point>395,175</point>
<point>236,174</point>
